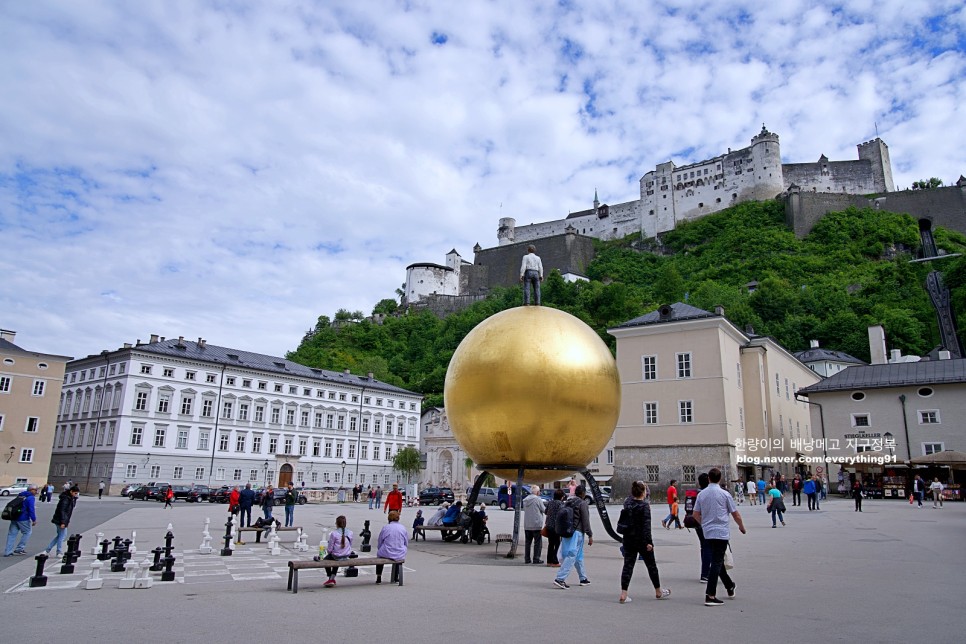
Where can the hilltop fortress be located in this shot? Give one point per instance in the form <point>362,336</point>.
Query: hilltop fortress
<point>670,195</point>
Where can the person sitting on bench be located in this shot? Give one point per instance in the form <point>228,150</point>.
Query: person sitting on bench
<point>437,519</point>
<point>417,524</point>
<point>393,543</point>
<point>340,547</point>
<point>452,518</point>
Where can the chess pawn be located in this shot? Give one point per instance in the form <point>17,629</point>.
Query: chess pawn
<point>144,579</point>
<point>130,573</point>
<point>94,581</point>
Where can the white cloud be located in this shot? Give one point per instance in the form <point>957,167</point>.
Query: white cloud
<point>234,172</point>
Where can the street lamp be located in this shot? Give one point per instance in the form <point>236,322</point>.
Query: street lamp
<point>265,467</point>
<point>343,472</point>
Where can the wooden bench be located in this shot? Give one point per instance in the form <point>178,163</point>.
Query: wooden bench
<point>294,567</point>
<point>258,532</point>
<point>503,537</point>
<point>461,533</point>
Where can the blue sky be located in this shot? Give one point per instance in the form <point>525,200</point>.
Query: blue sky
<point>233,170</point>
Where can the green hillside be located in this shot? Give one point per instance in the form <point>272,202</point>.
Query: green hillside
<point>851,272</point>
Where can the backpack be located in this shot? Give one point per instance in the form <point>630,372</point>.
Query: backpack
<point>13,509</point>
<point>564,524</point>
<point>690,496</point>
<point>626,524</point>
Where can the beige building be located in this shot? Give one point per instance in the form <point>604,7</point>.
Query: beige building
<point>699,393</point>
<point>30,385</point>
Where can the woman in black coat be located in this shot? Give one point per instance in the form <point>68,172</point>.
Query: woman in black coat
<point>638,542</point>
<point>857,491</point>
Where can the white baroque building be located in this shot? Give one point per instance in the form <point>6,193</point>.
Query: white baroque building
<point>193,413</point>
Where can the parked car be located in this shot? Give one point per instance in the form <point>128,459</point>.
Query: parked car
<point>504,496</point>
<point>14,489</point>
<point>219,495</point>
<point>145,492</point>
<point>198,493</point>
<point>181,492</point>
<point>488,495</point>
<point>436,496</point>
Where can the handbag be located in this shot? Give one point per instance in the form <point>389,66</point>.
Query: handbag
<point>729,559</point>
<point>544,532</point>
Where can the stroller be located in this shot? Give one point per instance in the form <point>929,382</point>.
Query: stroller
<point>478,530</point>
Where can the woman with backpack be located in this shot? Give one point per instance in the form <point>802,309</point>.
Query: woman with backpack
<point>636,523</point>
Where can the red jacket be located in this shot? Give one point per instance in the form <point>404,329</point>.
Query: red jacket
<point>393,501</point>
<point>233,499</point>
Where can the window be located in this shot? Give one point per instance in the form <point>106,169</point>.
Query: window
<point>189,375</point>
<point>685,412</point>
<point>230,381</point>
<point>931,448</point>
<point>318,420</point>
<point>340,425</point>
<point>741,418</point>
<point>925,392</point>
<point>185,405</point>
<point>39,387</point>
<point>689,474</point>
<point>342,397</point>
<point>288,445</point>
<point>206,406</point>
<point>365,425</point>
<point>858,396</point>
<point>4,384</point>
<point>203,440</point>
<point>240,441</point>
<point>257,444</point>
<point>136,435</point>
<point>246,382</point>
<point>259,414</point>
<point>316,448</point>
<point>329,418</point>
<point>159,433</point>
<point>220,474</point>
<point>223,442</point>
<point>306,391</point>
<point>168,372</point>
<point>242,411</point>
<point>352,424</point>
<point>378,426</point>
<point>237,474</point>
<point>211,378</point>
<point>226,409</point>
<point>778,386</point>
<point>292,389</point>
<point>861,420</point>
<point>364,451</point>
<point>376,450</point>
<point>303,446</point>
<point>684,365</point>
<point>199,473</point>
<point>304,419</point>
<point>328,449</point>
<point>278,388</point>
<point>262,385</point>
<point>652,472</point>
<point>786,389</point>
<point>928,416</point>
<point>253,475</point>
<point>178,472</point>
<point>132,471</point>
<point>338,449</point>
<point>26,455</point>
<point>110,433</point>
<point>33,422</point>
<point>140,401</point>
<point>145,369</point>
<point>61,431</point>
<point>155,471</point>
<point>352,450</point>
<point>273,445</point>
<point>276,413</point>
<point>650,413</point>
<point>182,439</point>
<point>610,457</point>
<point>315,477</point>
<point>80,434</point>
<point>164,402</point>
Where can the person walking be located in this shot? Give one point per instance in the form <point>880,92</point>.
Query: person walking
<point>776,505</point>
<point>339,548</point>
<point>672,505</point>
<point>937,492</point>
<point>918,489</point>
<point>233,498</point>
<point>702,542</point>
<point>531,273</point>
<point>808,487</point>
<point>24,524</point>
<point>378,495</point>
<point>638,542</point>
<point>761,490</point>
<point>553,539</point>
<point>246,499</point>
<point>751,490</point>
<point>168,497</point>
<point>797,490</point>
<point>268,502</point>
<point>818,491</point>
<point>857,493</point>
<point>739,491</point>
<point>392,543</point>
<point>572,547</point>
<point>534,510</point>
<point>61,519</point>
<point>100,490</point>
<point>50,492</point>
<point>711,510</point>
<point>291,497</point>
<point>372,497</point>
<point>394,500</point>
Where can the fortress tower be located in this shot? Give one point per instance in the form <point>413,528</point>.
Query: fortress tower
<point>766,165</point>
<point>877,153</point>
<point>505,233</point>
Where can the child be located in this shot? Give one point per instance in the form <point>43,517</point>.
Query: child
<point>417,523</point>
<point>339,549</point>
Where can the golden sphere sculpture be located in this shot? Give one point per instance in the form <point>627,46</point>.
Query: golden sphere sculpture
<point>532,386</point>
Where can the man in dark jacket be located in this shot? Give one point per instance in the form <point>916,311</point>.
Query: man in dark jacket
<point>65,509</point>
<point>23,525</point>
<point>246,499</point>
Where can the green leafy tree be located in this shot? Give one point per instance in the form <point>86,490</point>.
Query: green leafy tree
<point>669,286</point>
<point>406,462</point>
<point>927,184</point>
<point>387,306</point>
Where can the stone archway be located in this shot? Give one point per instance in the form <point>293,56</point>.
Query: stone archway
<point>284,475</point>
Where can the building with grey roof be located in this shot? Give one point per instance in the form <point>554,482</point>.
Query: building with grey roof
<point>826,362</point>
<point>189,412</point>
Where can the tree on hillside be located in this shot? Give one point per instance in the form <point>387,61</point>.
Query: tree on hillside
<point>406,462</point>
<point>927,184</point>
<point>670,285</point>
<point>387,306</point>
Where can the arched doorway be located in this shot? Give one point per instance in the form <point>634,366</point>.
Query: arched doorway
<point>444,472</point>
<point>284,475</point>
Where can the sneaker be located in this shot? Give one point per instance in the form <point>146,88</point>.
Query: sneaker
<point>584,582</point>
<point>22,553</point>
<point>60,554</point>
<point>712,601</point>
<point>560,584</point>
<point>329,583</point>
<point>731,592</point>
<point>704,580</point>
<point>538,561</point>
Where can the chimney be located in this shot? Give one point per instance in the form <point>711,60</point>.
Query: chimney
<point>137,342</point>
<point>944,355</point>
<point>665,312</point>
<point>813,344</point>
<point>154,338</point>
<point>877,344</point>
<point>202,343</point>
<point>369,375</point>
<point>8,335</point>
<point>347,372</point>
<point>127,345</point>
<point>894,355</point>
<point>180,340</point>
<point>719,310</point>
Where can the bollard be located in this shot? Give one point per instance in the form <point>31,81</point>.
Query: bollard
<point>226,551</point>
<point>168,574</point>
<point>39,579</point>
<point>156,567</point>
<point>366,534</point>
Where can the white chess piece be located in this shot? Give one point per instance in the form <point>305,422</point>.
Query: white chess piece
<point>144,579</point>
<point>134,537</point>
<point>95,582</point>
<point>97,543</point>
<point>130,572</point>
<point>170,528</point>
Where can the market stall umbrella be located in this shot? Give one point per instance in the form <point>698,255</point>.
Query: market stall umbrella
<point>950,458</point>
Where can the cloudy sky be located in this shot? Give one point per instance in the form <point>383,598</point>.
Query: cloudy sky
<point>233,170</point>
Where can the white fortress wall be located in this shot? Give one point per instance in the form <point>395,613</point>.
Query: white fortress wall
<point>427,279</point>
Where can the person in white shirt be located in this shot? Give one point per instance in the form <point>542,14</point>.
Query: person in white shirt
<point>531,272</point>
<point>752,488</point>
<point>937,493</point>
